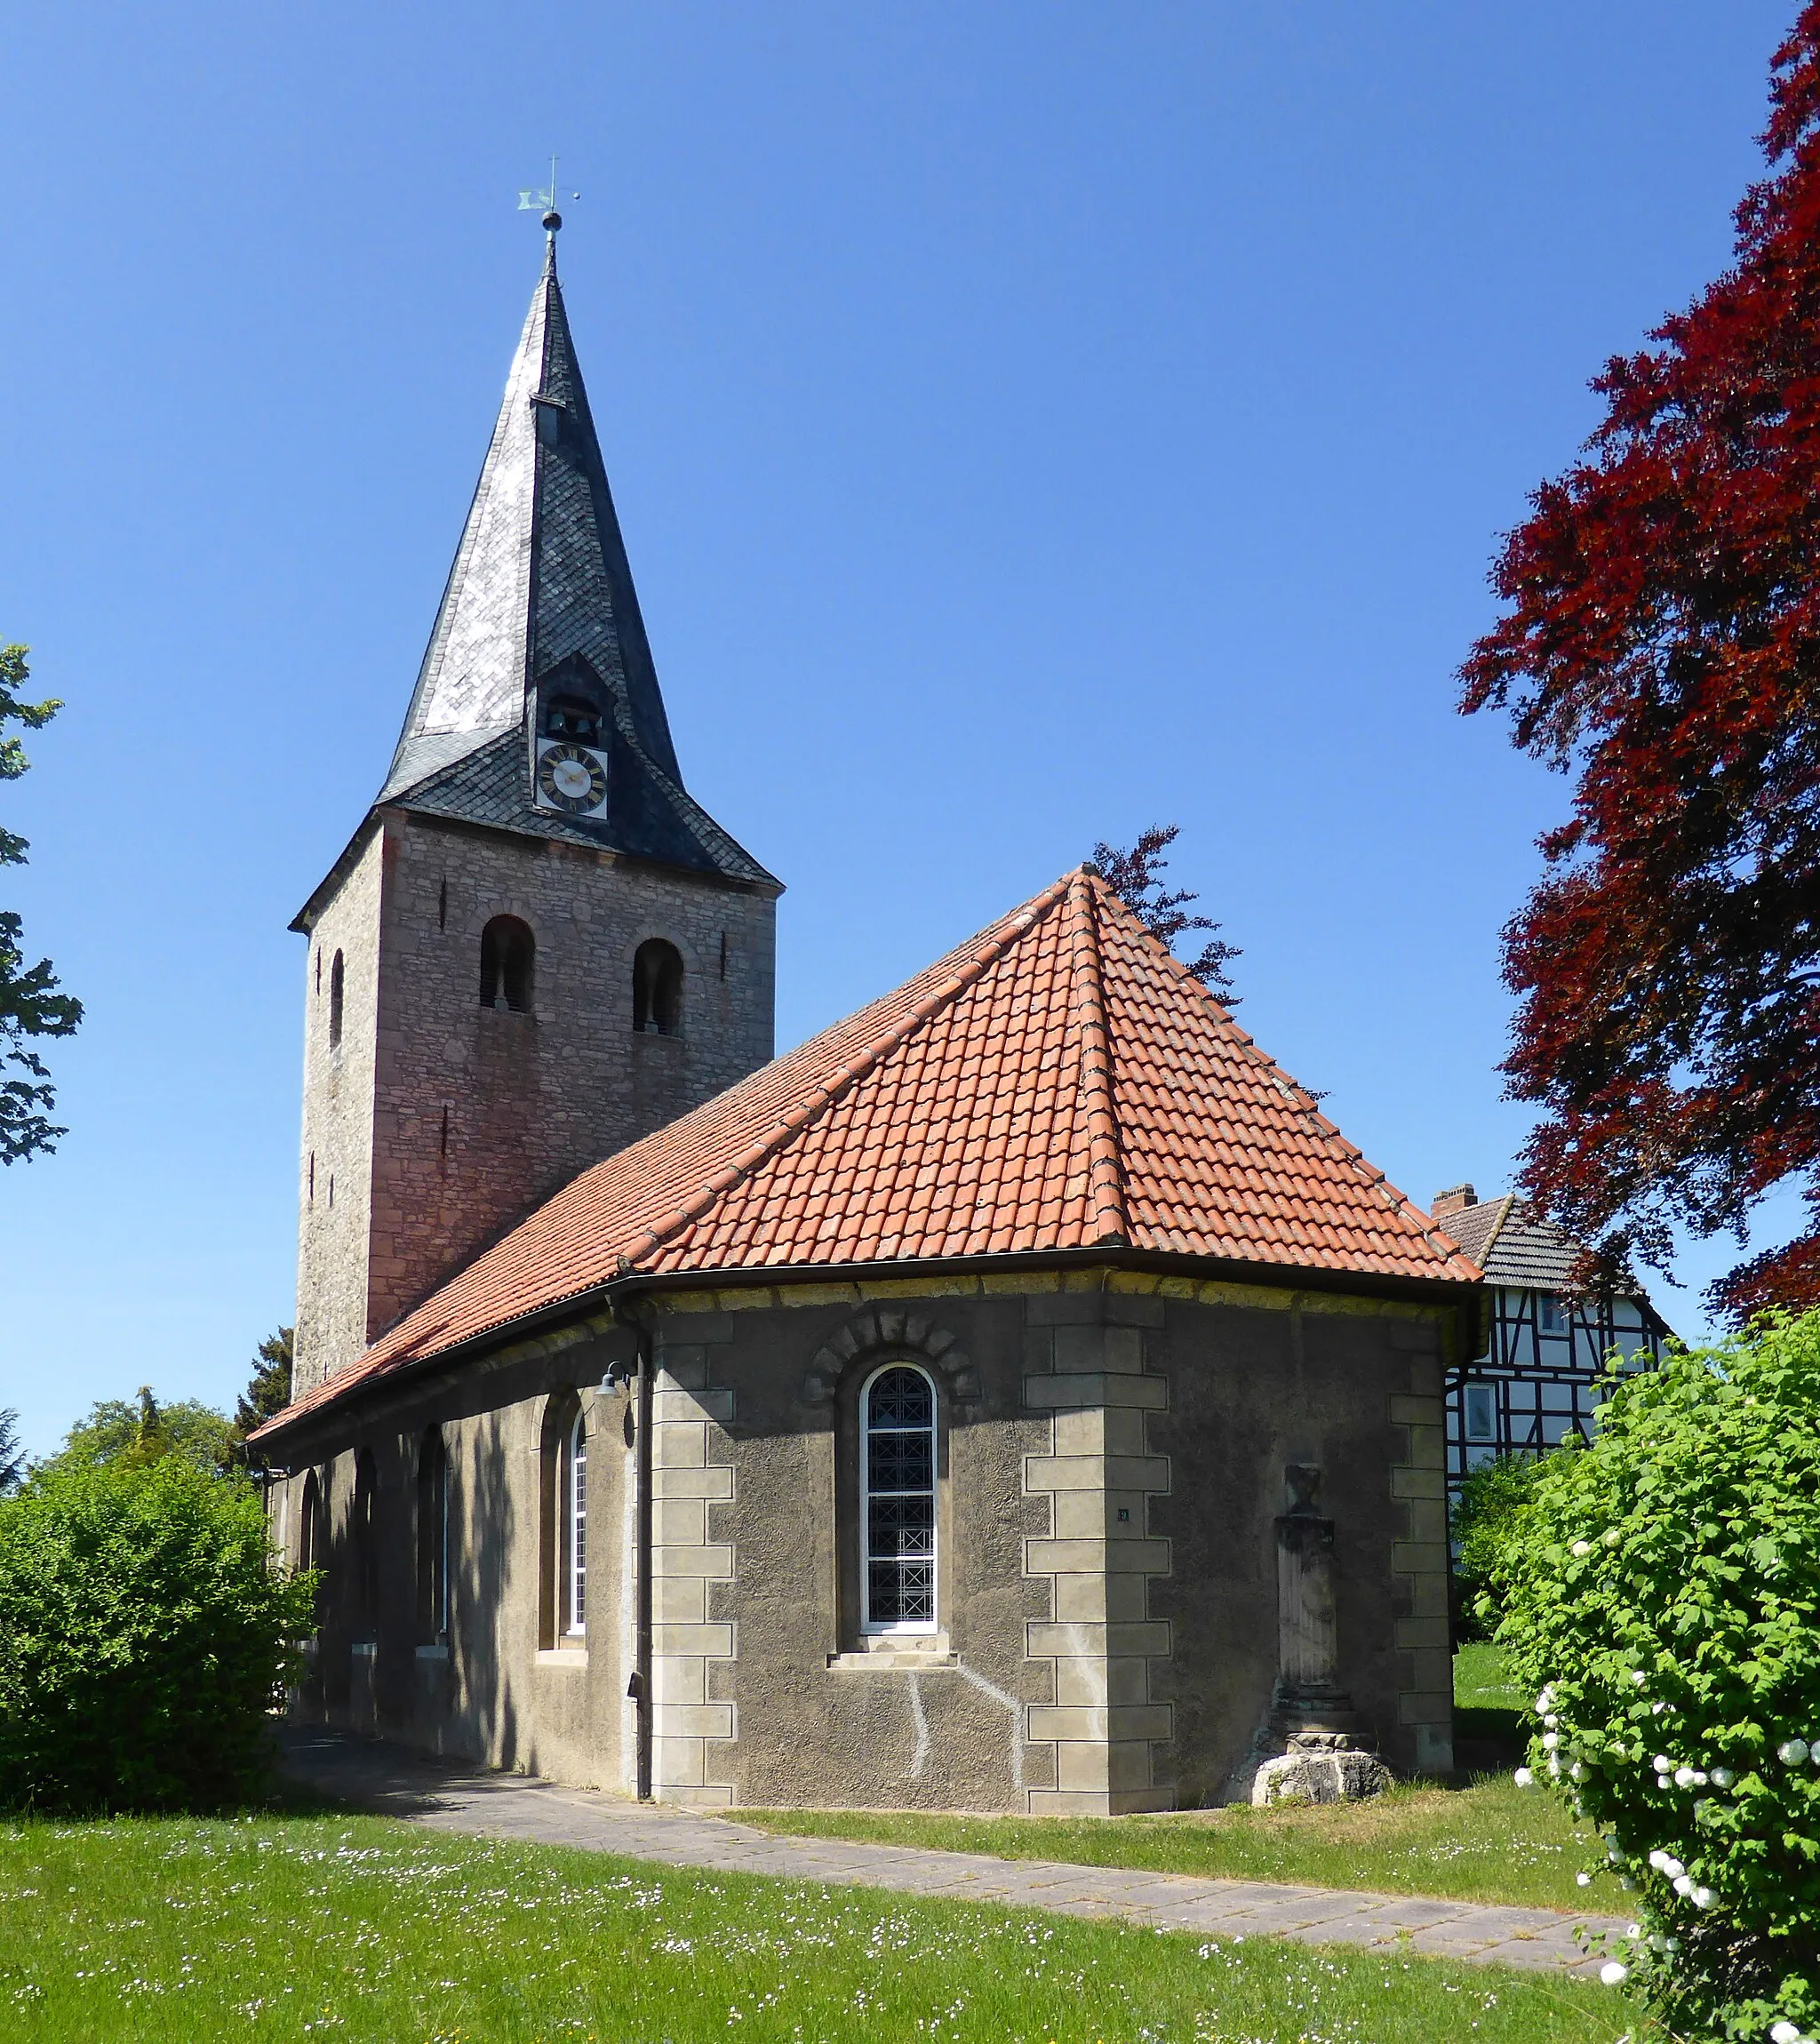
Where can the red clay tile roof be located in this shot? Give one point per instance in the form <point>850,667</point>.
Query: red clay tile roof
<point>1059,1083</point>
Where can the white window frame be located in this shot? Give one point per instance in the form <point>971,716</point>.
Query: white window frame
<point>575,1527</point>
<point>898,1628</point>
<point>1474,1393</point>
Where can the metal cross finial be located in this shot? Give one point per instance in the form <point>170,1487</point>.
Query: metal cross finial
<point>545,202</point>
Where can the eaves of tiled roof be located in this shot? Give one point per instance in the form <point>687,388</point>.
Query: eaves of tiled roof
<point>652,817</point>
<point>1057,1085</point>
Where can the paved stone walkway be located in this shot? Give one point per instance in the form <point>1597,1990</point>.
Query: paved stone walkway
<point>459,1797</point>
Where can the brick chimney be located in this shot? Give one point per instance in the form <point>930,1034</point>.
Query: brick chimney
<point>1452,1201</point>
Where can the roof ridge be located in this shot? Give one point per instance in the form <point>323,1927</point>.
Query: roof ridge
<point>1108,1224</point>
<point>823,1092</point>
<point>1508,1202</point>
<point>1324,1131</point>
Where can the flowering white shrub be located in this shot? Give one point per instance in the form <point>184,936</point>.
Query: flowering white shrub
<point>1665,1598</point>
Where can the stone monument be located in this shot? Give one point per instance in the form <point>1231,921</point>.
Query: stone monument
<point>1313,1747</point>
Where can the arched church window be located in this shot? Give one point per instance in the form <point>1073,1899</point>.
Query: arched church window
<point>896,1474</point>
<point>575,1528</point>
<point>312,1547</point>
<point>431,1538</point>
<point>657,989</point>
<point>569,718</point>
<point>508,964</point>
<point>337,982</point>
<point>563,1503</point>
<point>362,1534</point>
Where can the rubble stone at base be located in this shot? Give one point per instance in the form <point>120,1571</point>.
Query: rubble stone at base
<point>1320,1767</point>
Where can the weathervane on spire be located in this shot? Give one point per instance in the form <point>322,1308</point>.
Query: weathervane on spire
<point>530,202</point>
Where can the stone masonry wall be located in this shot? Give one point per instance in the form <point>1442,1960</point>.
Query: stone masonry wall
<point>1419,1558</point>
<point>334,1208</point>
<point>476,1114</point>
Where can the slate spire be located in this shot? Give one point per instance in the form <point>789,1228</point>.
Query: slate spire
<point>541,588</point>
<point>540,573</point>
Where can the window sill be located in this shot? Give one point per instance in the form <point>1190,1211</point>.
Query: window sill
<point>562,1656</point>
<point>895,1654</point>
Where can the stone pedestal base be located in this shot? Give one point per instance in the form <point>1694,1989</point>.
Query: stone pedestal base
<point>1320,1767</point>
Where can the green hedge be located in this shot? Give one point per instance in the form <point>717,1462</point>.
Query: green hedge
<point>144,1638</point>
<point>1662,1601</point>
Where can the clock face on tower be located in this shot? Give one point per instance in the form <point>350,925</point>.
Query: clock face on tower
<point>572,779</point>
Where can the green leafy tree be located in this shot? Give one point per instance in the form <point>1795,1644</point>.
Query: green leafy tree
<point>1662,1599</point>
<point>11,1454</point>
<point>268,1393</point>
<point>138,1432</point>
<point>1486,1518</point>
<point>144,1639</point>
<point>30,1006</point>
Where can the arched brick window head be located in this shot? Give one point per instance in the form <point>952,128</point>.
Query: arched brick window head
<point>337,981</point>
<point>508,964</point>
<point>657,989</point>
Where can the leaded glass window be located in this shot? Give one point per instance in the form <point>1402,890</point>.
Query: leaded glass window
<point>898,1465</point>
<point>575,1500</point>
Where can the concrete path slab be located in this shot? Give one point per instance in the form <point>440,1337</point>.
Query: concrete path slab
<point>457,1796</point>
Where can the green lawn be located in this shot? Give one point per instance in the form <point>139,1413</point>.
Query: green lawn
<point>178,1932</point>
<point>1481,1682</point>
<point>1489,1843</point>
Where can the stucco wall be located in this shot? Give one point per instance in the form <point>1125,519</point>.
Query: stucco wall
<point>495,1691</point>
<point>1112,1467</point>
<point>1251,1390</point>
<point>1111,1457</point>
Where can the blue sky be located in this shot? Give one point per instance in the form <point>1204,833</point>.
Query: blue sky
<point>1028,422</point>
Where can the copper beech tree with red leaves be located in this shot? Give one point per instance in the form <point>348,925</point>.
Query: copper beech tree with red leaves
<point>1136,877</point>
<point>1663,638</point>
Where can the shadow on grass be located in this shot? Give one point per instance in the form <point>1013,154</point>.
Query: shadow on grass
<point>1486,1740</point>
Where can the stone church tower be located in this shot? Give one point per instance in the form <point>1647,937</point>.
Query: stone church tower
<point>537,947</point>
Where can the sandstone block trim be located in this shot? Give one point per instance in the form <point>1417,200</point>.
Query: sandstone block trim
<point>1084,1369</point>
<point>884,1327</point>
<point>691,1472</point>
<point>1419,1568</point>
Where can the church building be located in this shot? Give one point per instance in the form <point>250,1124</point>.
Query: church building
<point>1017,1397</point>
